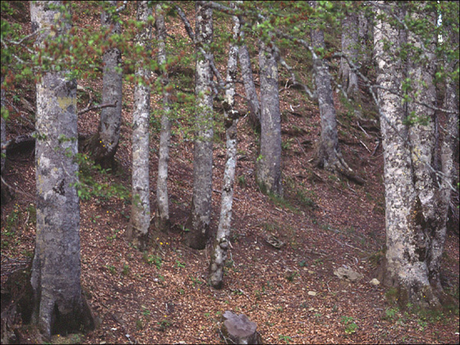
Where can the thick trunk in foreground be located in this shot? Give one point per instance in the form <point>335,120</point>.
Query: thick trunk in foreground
<point>415,232</point>
<point>162,208</point>
<point>200,216</point>
<point>140,213</point>
<point>104,143</point>
<point>56,268</point>
<point>268,164</point>
<point>222,242</point>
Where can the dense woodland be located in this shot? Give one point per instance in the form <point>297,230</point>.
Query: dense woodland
<point>165,162</point>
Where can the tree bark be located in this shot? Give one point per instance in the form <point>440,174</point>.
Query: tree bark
<point>56,265</point>
<point>350,48</point>
<point>200,216</point>
<point>268,164</point>
<point>162,208</point>
<point>328,155</point>
<point>412,225</point>
<point>5,191</point>
<point>248,81</point>
<point>103,145</point>
<point>231,120</point>
<point>140,213</point>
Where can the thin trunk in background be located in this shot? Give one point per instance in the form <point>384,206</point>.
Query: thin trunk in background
<point>350,48</point>
<point>222,242</point>
<point>268,164</point>
<point>162,207</point>
<point>103,145</point>
<point>140,213</point>
<point>198,223</point>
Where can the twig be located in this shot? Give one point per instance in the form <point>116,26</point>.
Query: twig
<point>113,105</point>
<point>15,189</point>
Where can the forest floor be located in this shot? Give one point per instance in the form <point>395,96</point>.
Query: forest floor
<point>325,222</point>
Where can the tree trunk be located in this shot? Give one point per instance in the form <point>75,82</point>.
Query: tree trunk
<point>56,265</point>
<point>140,214</point>
<point>5,190</point>
<point>162,208</point>
<point>407,151</point>
<point>200,217</point>
<point>268,164</point>
<point>231,120</point>
<point>103,145</point>
<point>248,81</point>
<point>350,48</point>
<point>327,155</point>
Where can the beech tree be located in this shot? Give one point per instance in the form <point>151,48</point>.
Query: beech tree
<point>56,268</point>
<point>350,46</point>
<point>200,215</point>
<point>162,208</point>
<point>328,155</point>
<point>103,145</point>
<point>140,214</point>
<point>231,115</point>
<point>415,208</point>
<point>268,164</point>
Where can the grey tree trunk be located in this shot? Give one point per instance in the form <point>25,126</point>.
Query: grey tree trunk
<point>162,207</point>
<point>221,244</point>
<point>268,164</point>
<point>200,216</point>
<point>5,192</point>
<point>140,213</point>
<point>328,155</point>
<point>104,144</point>
<point>58,303</point>
<point>350,47</point>
<point>414,231</point>
<point>248,81</point>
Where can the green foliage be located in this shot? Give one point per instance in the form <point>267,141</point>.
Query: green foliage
<point>152,259</point>
<point>89,186</point>
<point>350,326</point>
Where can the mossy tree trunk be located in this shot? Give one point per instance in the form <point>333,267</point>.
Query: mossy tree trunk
<point>222,242</point>
<point>200,216</point>
<point>415,207</point>
<point>268,164</point>
<point>56,268</point>
<point>103,145</point>
<point>162,207</point>
<point>140,212</point>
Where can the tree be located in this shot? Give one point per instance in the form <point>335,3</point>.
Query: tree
<point>248,80</point>
<point>200,216</point>
<point>56,268</point>
<point>349,47</point>
<point>222,241</point>
<point>415,208</point>
<point>328,155</point>
<point>140,213</point>
<point>268,165</point>
<point>104,143</point>
<point>162,208</point>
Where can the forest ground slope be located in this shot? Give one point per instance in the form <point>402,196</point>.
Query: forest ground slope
<point>324,221</point>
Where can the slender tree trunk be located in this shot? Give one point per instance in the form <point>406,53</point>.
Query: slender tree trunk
<point>350,48</point>
<point>231,120</point>
<point>140,214</point>
<point>56,265</point>
<point>328,155</point>
<point>448,169</point>
<point>5,192</point>
<point>248,81</point>
<point>200,216</point>
<point>268,165</point>
<point>162,209</point>
<point>104,143</point>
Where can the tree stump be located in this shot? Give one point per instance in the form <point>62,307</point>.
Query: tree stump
<point>238,329</point>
